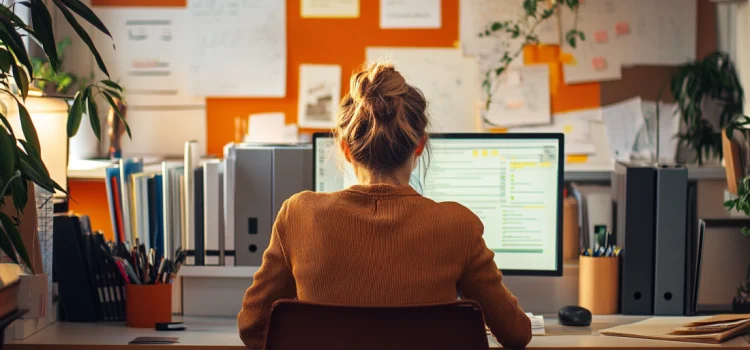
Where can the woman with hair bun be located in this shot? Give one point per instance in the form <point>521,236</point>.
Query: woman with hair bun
<point>379,242</point>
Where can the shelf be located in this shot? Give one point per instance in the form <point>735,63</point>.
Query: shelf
<point>218,271</point>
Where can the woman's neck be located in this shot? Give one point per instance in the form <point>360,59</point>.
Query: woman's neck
<point>395,178</point>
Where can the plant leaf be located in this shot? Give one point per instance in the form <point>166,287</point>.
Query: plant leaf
<point>20,192</point>
<point>85,12</point>
<point>42,21</point>
<point>12,39</point>
<point>6,246</point>
<point>22,80</point>
<point>82,33</point>
<point>93,114</point>
<point>27,125</point>
<point>28,170</point>
<point>15,238</point>
<point>8,150</point>
<point>5,60</point>
<point>74,116</point>
<point>113,104</point>
<point>112,84</point>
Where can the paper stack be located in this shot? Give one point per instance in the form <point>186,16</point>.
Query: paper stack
<point>537,324</point>
<point>711,330</point>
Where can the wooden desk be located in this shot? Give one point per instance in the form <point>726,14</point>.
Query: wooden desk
<point>221,333</point>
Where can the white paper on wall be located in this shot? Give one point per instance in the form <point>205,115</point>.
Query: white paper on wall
<point>448,80</point>
<point>164,131</point>
<point>576,126</point>
<point>238,47</point>
<point>329,9</point>
<point>319,95</point>
<point>596,58</point>
<point>622,121</point>
<point>151,59</point>
<point>410,14</point>
<point>521,97</point>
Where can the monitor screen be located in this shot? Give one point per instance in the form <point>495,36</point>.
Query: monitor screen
<point>512,182</point>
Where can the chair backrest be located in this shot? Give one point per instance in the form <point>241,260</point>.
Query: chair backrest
<point>302,325</point>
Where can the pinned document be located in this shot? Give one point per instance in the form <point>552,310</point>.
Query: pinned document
<point>410,14</point>
<point>319,95</point>
<point>330,8</point>
<point>271,128</point>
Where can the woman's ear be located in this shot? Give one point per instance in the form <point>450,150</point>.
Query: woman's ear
<point>421,146</point>
<point>345,150</point>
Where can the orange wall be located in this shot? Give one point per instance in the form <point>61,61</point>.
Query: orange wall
<point>329,41</point>
<point>90,198</point>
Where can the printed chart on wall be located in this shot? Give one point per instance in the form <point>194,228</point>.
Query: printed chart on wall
<point>151,56</point>
<point>450,95</point>
<point>239,48</point>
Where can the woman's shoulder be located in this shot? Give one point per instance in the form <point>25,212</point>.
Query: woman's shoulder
<point>461,215</point>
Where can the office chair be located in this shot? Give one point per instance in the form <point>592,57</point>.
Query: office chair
<point>302,325</point>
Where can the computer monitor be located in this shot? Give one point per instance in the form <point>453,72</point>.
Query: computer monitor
<point>512,182</point>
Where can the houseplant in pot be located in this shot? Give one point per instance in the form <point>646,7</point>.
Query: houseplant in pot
<point>21,162</point>
<point>709,96</point>
<point>741,203</point>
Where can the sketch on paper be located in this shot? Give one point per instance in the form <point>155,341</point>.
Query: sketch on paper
<point>319,95</point>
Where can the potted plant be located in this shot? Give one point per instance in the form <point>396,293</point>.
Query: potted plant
<point>57,82</point>
<point>709,96</point>
<point>20,154</point>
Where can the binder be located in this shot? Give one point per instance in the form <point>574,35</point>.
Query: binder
<point>292,168</point>
<point>71,273</point>
<point>158,205</point>
<point>253,169</point>
<point>229,192</point>
<point>199,237</point>
<point>188,201</point>
<point>112,183</point>
<point>671,236</point>
<point>634,187</point>
<point>212,212</point>
<point>170,207</point>
<point>128,167</point>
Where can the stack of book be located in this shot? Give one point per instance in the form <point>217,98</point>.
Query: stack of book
<point>711,330</point>
<point>179,206</point>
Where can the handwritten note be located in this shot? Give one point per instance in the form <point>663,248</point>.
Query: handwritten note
<point>330,8</point>
<point>525,103</point>
<point>410,14</point>
<point>238,47</point>
<point>450,95</point>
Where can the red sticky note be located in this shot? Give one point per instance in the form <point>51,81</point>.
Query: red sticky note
<point>601,36</point>
<point>622,28</point>
<point>599,63</point>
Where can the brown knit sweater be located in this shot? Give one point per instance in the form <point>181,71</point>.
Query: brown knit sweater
<point>379,245</point>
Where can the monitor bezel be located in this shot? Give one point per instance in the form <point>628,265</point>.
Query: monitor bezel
<point>559,137</point>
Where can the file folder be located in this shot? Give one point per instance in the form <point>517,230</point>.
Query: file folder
<point>671,237</point>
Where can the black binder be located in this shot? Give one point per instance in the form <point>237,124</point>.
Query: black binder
<point>200,238</point>
<point>71,271</point>
<point>635,187</point>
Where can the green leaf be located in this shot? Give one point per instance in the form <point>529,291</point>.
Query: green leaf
<point>10,37</point>
<point>7,149</point>
<point>111,84</point>
<point>16,175</point>
<point>548,13</point>
<point>499,71</point>
<point>74,115</point>
<point>19,191</point>
<point>496,26</point>
<point>43,181</point>
<point>7,125</point>
<point>93,114</point>
<point>111,100</point>
<point>27,125</point>
<point>82,33</point>
<point>15,238</point>
<point>6,246</point>
<point>530,7</point>
<point>6,58</point>
<point>85,12</point>
<point>22,80</point>
<point>42,21</point>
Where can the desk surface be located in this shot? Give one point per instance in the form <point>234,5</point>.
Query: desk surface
<point>221,333</point>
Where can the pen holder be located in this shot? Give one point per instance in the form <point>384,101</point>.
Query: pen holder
<point>599,284</point>
<point>148,304</point>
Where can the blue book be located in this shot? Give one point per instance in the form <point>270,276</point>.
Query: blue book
<point>158,234</point>
<point>128,167</point>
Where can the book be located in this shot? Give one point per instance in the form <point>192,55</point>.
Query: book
<point>127,168</point>
<point>158,211</point>
<point>212,212</point>
<point>112,184</point>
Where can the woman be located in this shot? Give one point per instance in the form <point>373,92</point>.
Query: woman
<point>380,242</point>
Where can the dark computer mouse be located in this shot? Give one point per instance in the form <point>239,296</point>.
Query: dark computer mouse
<point>574,316</point>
